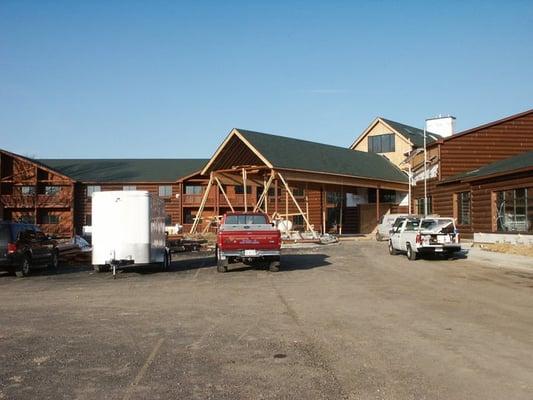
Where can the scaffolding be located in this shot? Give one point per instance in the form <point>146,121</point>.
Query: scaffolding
<point>260,176</point>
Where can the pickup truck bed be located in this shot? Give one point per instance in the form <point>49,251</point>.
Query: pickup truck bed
<point>416,236</point>
<point>252,239</point>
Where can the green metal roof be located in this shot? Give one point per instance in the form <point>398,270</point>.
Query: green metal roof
<point>508,165</point>
<point>289,153</point>
<point>414,135</point>
<point>125,170</point>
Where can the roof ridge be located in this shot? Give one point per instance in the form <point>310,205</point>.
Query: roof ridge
<point>410,126</point>
<point>301,140</point>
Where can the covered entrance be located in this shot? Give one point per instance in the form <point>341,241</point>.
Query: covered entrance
<point>316,187</point>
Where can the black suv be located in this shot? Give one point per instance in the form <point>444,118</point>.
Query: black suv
<point>25,246</point>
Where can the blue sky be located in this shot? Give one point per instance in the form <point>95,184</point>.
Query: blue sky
<point>170,79</point>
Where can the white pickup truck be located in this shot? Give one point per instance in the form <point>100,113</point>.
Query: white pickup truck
<point>430,235</point>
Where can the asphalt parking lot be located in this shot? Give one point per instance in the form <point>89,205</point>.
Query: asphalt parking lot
<point>340,321</point>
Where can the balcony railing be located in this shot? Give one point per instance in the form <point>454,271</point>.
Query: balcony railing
<point>60,200</point>
<point>196,199</point>
<point>17,201</point>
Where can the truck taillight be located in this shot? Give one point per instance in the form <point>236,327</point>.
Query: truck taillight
<point>11,248</point>
<point>419,238</point>
<point>457,238</point>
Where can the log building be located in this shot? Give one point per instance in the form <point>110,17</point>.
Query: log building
<point>483,177</point>
<point>327,188</point>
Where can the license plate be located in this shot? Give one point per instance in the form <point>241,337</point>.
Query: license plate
<point>250,253</point>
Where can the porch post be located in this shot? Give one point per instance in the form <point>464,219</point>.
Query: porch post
<point>377,204</point>
<point>245,194</point>
<point>276,196</point>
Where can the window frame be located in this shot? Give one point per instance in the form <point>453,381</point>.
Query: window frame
<point>31,192</point>
<point>91,189</point>
<point>186,187</point>
<point>50,219</point>
<point>527,206</point>
<point>384,143</point>
<point>240,189</point>
<point>460,208</point>
<point>56,190</point>
<point>165,191</point>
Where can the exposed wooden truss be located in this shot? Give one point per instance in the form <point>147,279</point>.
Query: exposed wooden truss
<point>261,176</point>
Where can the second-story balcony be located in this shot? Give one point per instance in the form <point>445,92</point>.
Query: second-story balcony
<point>196,199</point>
<point>61,199</point>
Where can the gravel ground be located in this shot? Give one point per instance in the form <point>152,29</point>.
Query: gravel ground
<point>345,321</point>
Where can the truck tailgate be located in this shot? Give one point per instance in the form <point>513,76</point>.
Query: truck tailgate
<point>248,240</point>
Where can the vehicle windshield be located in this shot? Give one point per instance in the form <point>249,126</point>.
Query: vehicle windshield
<point>246,219</point>
<point>412,225</point>
<point>437,224</point>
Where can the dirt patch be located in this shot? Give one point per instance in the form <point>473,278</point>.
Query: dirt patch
<point>519,249</point>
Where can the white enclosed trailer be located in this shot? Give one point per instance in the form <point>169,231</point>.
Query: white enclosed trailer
<point>128,228</point>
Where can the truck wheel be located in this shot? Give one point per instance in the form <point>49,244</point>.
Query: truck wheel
<point>411,255</point>
<point>54,262</point>
<point>222,266</point>
<point>274,265</point>
<point>24,268</point>
<point>392,250</point>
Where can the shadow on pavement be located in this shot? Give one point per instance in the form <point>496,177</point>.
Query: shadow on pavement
<point>193,261</point>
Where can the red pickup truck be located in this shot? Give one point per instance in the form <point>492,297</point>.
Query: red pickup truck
<point>247,237</point>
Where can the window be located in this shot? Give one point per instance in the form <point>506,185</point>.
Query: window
<point>51,190</point>
<point>168,220</point>
<point>463,208</point>
<point>188,216</point>
<point>27,190</point>
<point>194,189</point>
<point>26,217</point>
<point>333,198</point>
<point>385,196</point>
<point>165,191</point>
<point>381,143</point>
<point>420,206</point>
<point>88,219</point>
<point>271,191</point>
<point>514,210</point>
<point>129,187</point>
<point>48,218</point>
<point>412,225</point>
<point>246,219</point>
<point>240,189</point>
<point>92,189</point>
<point>298,220</point>
<point>298,192</point>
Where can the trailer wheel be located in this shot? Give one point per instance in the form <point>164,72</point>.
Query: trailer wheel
<point>101,268</point>
<point>411,255</point>
<point>166,261</point>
